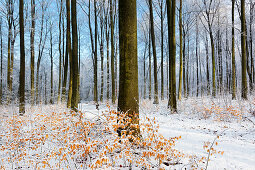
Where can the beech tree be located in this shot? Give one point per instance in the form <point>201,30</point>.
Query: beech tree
<point>171,8</point>
<point>128,101</point>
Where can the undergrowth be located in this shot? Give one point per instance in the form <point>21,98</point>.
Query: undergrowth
<point>72,141</point>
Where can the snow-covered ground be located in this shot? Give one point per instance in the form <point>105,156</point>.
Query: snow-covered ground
<point>237,137</point>
<point>195,126</point>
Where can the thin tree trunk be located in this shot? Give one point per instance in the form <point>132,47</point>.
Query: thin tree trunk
<point>95,55</point>
<point>197,70</point>
<point>69,50</point>
<point>184,64</point>
<point>171,8</point>
<point>213,63</point>
<point>162,49</point>
<point>45,88</point>
<point>243,47</point>
<point>1,64</point>
<point>144,72</point>
<point>112,53</point>
<point>60,51</point>
<point>22,61</point>
<point>107,34</point>
<point>51,67</point>
<point>10,22</point>
<point>233,52</point>
<point>149,65</point>
<point>181,56</point>
<point>66,53</point>
<point>32,48</point>
<point>75,92</point>
<point>154,54</point>
<point>102,51</point>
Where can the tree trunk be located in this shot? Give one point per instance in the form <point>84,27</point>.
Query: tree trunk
<point>162,49</point>
<point>197,56</point>
<point>171,8</point>
<point>154,54</point>
<point>75,92</point>
<point>112,53</point>
<point>107,34</point>
<point>213,63</point>
<point>102,51</point>
<point>22,61</point>
<point>243,47</point>
<point>51,67</point>
<point>60,51</point>
<point>207,66</point>
<point>69,50</point>
<point>32,48</point>
<point>95,55</point>
<point>1,64</point>
<point>181,57</point>
<point>10,22</point>
<point>128,76</point>
<point>233,53</point>
<point>149,64</point>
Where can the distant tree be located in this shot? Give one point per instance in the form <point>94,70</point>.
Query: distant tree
<point>41,47</point>
<point>209,10</point>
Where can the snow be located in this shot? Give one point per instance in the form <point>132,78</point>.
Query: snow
<point>236,137</point>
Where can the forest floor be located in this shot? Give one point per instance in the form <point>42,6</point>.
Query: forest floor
<point>228,124</point>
